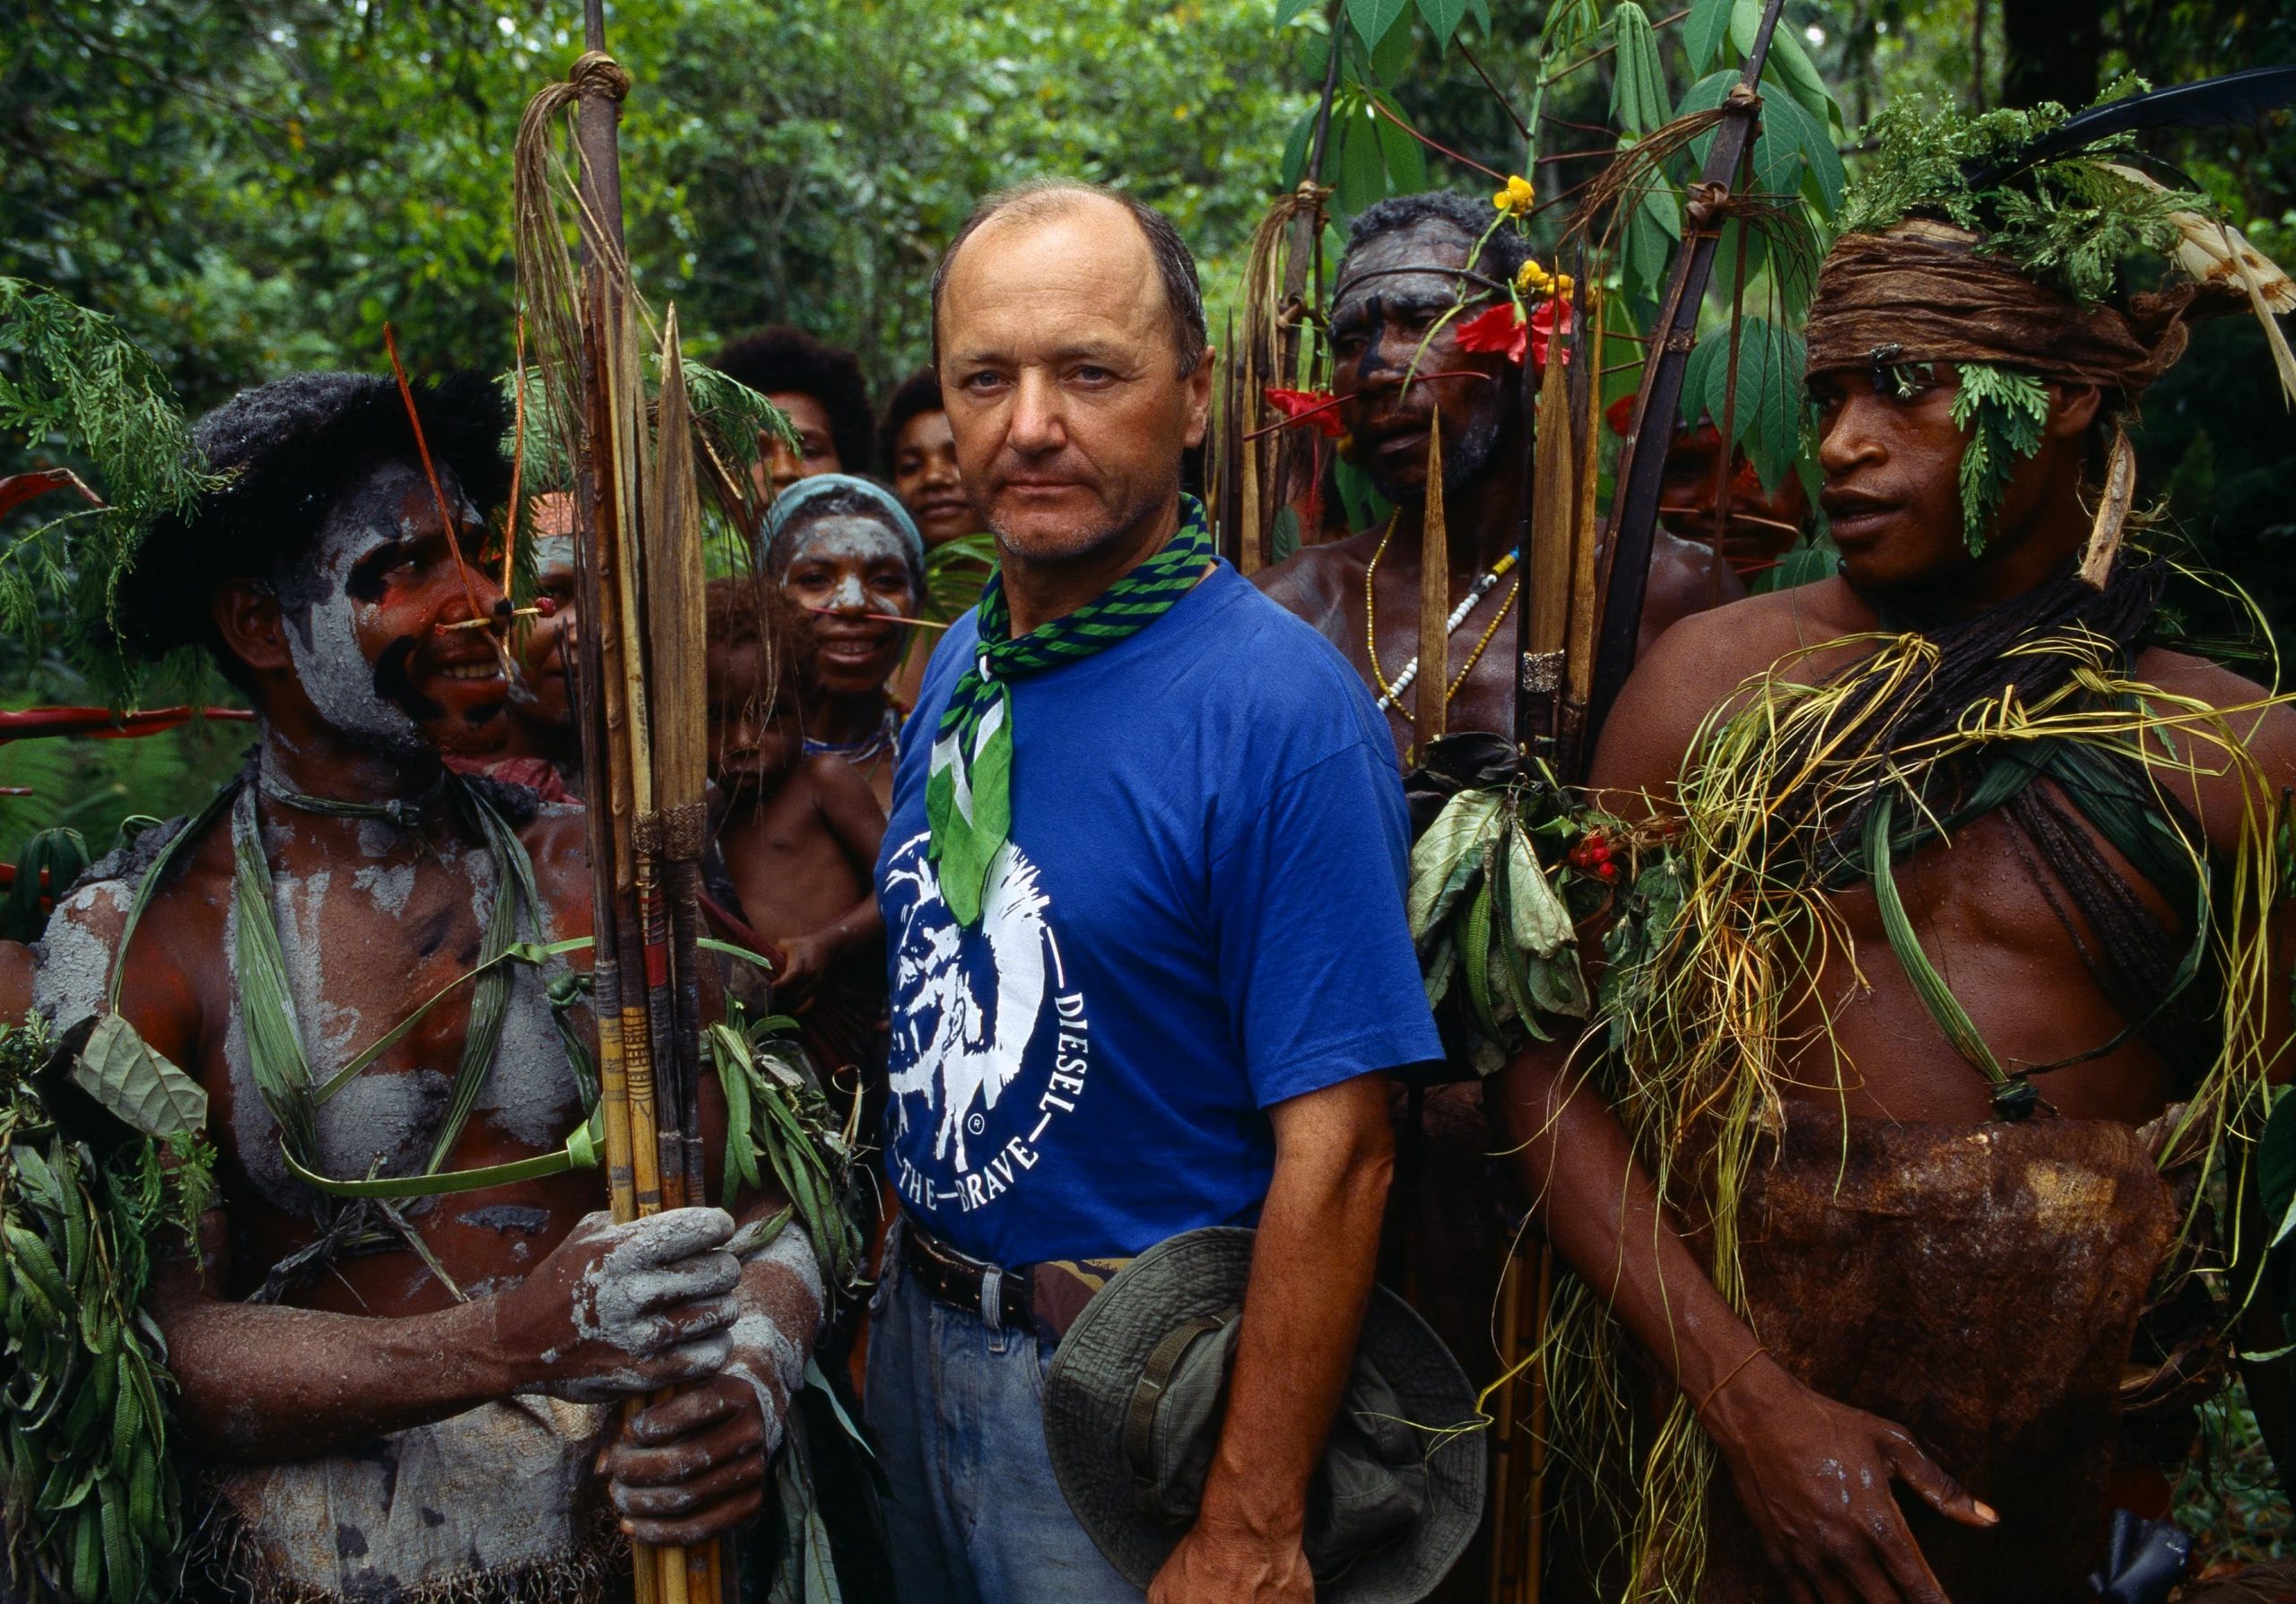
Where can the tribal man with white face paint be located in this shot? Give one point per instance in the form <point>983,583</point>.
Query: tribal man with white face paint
<point>408,1396</point>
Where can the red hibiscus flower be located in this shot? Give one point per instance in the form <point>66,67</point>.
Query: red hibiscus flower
<point>1498,329</point>
<point>1552,318</point>
<point>1317,409</point>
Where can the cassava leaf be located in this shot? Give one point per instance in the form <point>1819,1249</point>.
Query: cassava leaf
<point>120,1070</point>
<point>1708,25</point>
<point>1373,17</point>
<point>1638,83</point>
<point>1443,18</point>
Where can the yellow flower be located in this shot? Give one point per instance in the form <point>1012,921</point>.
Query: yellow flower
<point>1533,279</point>
<point>1516,197</point>
<point>1562,284</point>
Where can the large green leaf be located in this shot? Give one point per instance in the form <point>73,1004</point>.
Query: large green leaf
<point>1785,119</point>
<point>120,1070</point>
<point>1295,148</point>
<point>1708,26</point>
<point>1373,17</point>
<point>1363,164</point>
<point>1699,375</point>
<point>1443,17</point>
<point>2277,1169</point>
<point>1406,163</point>
<point>1788,64</point>
<point>1285,10</point>
<point>1540,921</point>
<point>1446,857</point>
<point>1638,101</point>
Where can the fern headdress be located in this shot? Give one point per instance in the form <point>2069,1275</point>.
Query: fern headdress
<point>2003,243</point>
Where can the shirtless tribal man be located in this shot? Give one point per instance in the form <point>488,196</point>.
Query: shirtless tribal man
<point>1977,882</point>
<point>1405,261</point>
<point>399,1398</point>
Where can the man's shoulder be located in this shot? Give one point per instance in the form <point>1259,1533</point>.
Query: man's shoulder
<point>75,953</point>
<point>1722,646</point>
<point>1699,663</point>
<point>1313,573</point>
<point>1278,664</point>
<point>2264,725</point>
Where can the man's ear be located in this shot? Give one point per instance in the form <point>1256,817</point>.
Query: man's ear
<point>2077,405</point>
<point>1200,399</point>
<point>246,616</point>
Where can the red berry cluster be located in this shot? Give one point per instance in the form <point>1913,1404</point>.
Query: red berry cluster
<point>1592,857</point>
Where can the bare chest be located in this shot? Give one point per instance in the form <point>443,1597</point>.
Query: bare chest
<point>2007,939</point>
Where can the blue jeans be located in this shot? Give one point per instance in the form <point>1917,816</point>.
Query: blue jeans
<point>975,1516</point>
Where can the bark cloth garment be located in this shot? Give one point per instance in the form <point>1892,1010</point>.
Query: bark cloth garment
<point>1897,1268</point>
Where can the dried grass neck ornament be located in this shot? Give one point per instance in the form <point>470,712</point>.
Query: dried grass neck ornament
<point>1991,244</point>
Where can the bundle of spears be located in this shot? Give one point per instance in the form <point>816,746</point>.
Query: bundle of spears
<point>639,468</point>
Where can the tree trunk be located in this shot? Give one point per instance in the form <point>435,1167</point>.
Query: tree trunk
<point>2052,49</point>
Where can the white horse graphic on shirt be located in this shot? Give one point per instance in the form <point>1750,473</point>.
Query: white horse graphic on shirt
<point>960,1052</point>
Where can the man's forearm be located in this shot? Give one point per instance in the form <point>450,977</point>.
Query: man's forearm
<point>1312,1264</point>
<point>1602,1214</point>
<point>263,1383</point>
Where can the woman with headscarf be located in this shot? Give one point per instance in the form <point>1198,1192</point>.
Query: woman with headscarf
<point>847,552</point>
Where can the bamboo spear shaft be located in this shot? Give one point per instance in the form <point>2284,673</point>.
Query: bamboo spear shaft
<point>637,1016</point>
<point>1434,598</point>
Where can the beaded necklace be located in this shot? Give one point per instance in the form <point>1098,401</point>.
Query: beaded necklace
<point>1390,694</point>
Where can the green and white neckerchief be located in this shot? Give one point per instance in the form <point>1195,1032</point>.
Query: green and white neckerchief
<point>969,790</point>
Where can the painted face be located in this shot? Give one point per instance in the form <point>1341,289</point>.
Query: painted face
<point>1378,326</point>
<point>925,479</point>
<point>363,606</point>
<point>842,569</point>
<point>750,743</point>
<point>546,659</point>
<point>777,466</point>
<point>1064,391</point>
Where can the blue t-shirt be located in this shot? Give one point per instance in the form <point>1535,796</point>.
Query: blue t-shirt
<point>1200,913</point>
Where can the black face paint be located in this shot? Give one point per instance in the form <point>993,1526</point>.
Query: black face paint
<point>393,685</point>
<point>478,718</point>
<point>365,581</point>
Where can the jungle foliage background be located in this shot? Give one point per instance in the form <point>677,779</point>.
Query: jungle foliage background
<point>251,186</point>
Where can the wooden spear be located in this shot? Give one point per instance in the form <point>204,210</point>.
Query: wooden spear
<point>631,509</point>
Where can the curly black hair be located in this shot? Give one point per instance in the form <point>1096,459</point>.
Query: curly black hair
<point>288,449</point>
<point>919,393</point>
<point>782,359</point>
<point>1502,254</point>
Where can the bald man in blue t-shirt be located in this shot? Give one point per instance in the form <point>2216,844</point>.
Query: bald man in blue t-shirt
<point>1144,896</point>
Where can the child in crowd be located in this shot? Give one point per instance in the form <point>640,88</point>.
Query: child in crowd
<point>796,832</point>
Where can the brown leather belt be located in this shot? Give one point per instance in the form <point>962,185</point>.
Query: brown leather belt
<point>948,1276</point>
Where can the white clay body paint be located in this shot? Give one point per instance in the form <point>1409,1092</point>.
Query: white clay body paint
<point>654,1264</point>
<point>857,542</point>
<point>322,616</point>
<point>766,1353</point>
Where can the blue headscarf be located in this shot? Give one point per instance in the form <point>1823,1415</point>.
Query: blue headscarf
<point>861,498</point>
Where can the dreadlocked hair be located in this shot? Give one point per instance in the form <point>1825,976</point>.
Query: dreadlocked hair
<point>286,451</point>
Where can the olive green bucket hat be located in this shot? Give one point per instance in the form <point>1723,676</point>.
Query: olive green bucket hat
<point>1134,1399</point>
